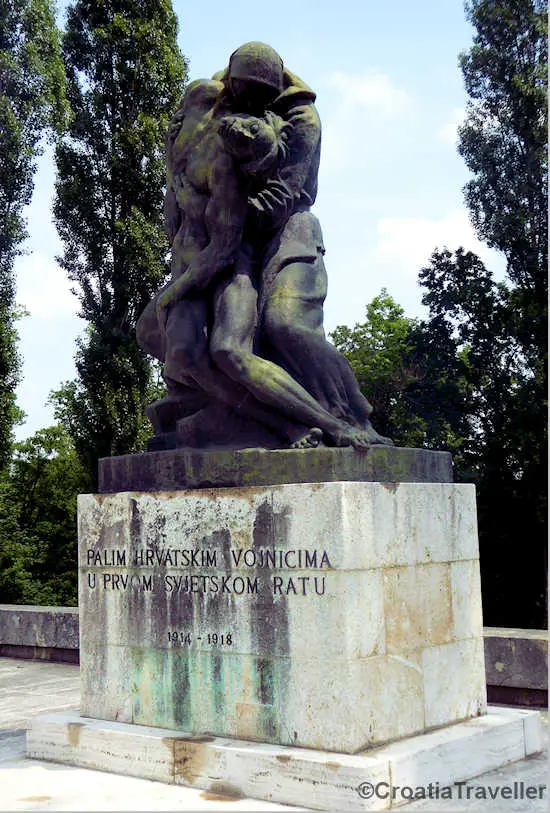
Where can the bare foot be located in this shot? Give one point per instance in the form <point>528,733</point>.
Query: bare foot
<point>360,439</point>
<point>351,436</point>
<point>309,441</point>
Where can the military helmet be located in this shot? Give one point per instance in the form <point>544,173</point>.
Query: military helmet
<point>257,62</point>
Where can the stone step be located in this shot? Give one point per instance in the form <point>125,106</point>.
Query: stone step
<point>297,776</point>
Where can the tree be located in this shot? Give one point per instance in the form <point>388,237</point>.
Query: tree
<point>32,102</point>
<point>480,358</point>
<point>379,352</point>
<point>500,331</point>
<point>468,316</point>
<point>125,76</point>
<point>38,540</point>
<point>411,373</point>
<point>499,450</point>
<point>504,144</point>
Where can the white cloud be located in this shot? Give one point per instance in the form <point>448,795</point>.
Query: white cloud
<point>43,288</point>
<point>375,91</point>
<point>448,131</point>
<point>405,244</point>
<point>360,120</point>
<point>390,256</point>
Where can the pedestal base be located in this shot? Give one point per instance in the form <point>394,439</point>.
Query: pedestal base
<point>299,776</point>
<point>335,616</point>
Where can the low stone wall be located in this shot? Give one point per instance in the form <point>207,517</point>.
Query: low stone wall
<point>516,660</point>
<point>39,633</point>
<point>516,666</point>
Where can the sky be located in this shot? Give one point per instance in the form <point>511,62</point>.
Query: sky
<point>390,96</point>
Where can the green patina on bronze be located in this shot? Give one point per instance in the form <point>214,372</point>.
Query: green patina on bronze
<point>239,328</point>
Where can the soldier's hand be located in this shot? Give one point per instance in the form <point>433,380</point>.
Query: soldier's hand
<point>270,207</point>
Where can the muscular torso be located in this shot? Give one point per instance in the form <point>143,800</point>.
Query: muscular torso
<point>210,190</point>
<point>198,161</point>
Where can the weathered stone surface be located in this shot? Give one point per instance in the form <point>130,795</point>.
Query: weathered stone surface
<point>29,625</point>
<point>318,615</point>
<point>317,780</point>
<point>497,738</point>
<point>516,657</point>
<point>192,468</point>
<point>466,598</point>
<point>454,681</point>
<point>30,688</point>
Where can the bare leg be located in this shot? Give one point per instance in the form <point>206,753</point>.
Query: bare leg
<point>318,365</point>
<point>231,350</point>
<point>188,360</point>
<point>293,337</point>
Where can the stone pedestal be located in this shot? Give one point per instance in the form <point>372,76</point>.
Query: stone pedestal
<point>197,468</point>
<point>314,638</point>
<point>333,616</point>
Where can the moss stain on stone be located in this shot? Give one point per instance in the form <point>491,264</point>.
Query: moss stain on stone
<point>180,690</point>
<point>390,486</point>
<point>74,730</point>
<point>266,681</point>
<point>190,760</point>
<point>222,792</point>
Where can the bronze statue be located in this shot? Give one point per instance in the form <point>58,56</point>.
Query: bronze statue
<point>240,326</point>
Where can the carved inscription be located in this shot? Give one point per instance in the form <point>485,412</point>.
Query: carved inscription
<point>218,570</point>
<point>180,638</point>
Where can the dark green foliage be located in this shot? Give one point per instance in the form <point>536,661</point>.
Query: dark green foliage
<point>504,443</point>
<point>412,375</point>
<point>469,318</point>
<point>10,366</point>
<point>380,353</point>
<point>38,542</point>
<point>125,76</point>
<point>504,144</point>
<point>32,102</point>
<point>503,141</point>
